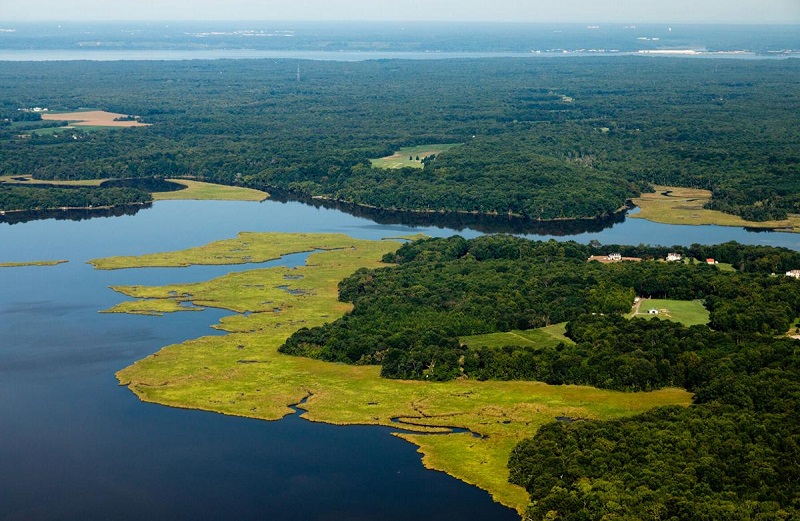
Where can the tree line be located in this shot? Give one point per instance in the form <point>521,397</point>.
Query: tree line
<point>543,139</point>
<point>731,455</point>
<point>42,197</point>
<point>408,318</point>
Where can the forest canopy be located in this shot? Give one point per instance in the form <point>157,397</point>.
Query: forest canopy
<point>544,139</point>
<point>731,455</point>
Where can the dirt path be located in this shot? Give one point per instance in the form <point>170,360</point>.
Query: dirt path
<point>637,305</point>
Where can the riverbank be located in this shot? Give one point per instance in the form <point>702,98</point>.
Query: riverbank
<point>202,191</point>
<point>686,206</point>
<point>243,374</point>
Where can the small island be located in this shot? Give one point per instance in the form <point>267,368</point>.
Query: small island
<point>31,263</point>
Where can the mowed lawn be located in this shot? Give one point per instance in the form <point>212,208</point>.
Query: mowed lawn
<point>687,312</point>
<point>411,156</point>
<point>543,337</point>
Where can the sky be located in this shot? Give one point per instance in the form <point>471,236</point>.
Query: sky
<point>578,11</point>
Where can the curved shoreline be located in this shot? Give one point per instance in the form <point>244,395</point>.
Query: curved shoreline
<point>207,373</point>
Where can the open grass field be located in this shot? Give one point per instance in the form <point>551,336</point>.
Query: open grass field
<point>247,247</point>
<point>200,191</point>
<point>407,156</point>
<point>687,312</point>
<point>195,190</point>
<point>92,118</point>
<point>243,374</point>
<point>675,205</point>
<point>23,180</point>
<point>53,131</point>
<point>32,263</point>
<point>543,337</point>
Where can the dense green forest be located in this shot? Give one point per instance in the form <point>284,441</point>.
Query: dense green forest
<point>542,138</point>
<point>409,318</point>
<point>42,197</point>
<point>732,455</point>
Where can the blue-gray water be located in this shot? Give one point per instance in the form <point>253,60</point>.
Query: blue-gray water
<point>75,445</point>
<point>360,41</point>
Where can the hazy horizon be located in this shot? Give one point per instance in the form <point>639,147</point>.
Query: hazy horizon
<point>745,12</point>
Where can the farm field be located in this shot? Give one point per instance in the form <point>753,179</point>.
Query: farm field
<point>411,156</point>
<point>92,118</point>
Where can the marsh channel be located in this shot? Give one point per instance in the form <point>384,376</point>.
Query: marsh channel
<point>76,445</point>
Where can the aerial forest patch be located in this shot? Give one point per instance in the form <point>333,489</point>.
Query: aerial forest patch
<point>542,139</point>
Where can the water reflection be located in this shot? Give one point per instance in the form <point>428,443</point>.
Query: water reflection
<point>76,445</point>
<point>460,221</point>
<point>72,215</point>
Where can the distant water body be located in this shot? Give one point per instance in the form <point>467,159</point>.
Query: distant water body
<point>344,56</point>
<point>366,41</point>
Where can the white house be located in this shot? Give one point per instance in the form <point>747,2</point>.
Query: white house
<point>793,273</point>
<point>671,257</point>
<point>615,256</point>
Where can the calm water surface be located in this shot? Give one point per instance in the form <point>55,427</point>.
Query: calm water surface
<point>75,445</point>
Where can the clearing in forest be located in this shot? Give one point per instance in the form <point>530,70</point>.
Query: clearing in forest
<point>687,312</point>
<point>542,337</point>
<point>411,156</point>
<point>94,118</point>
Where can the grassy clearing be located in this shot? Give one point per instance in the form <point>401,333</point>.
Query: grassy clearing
<point>794,330</point>
<point>32,263</point>
<point>72,127</point>
<point>246,248</point>
<point>49,131</point>
<point>407,156</point>
<point>243,374</point>
<point>543,337</point>
<point>724,266</point>
<point>154,307</point>
<point>676,205</point>
<point>687,312</point>
<point>200,191</point>
<point>15,180</point>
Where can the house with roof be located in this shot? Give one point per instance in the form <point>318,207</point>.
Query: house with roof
<point>613,257</point>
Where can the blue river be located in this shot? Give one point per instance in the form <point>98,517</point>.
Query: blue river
<point>76,445</point>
